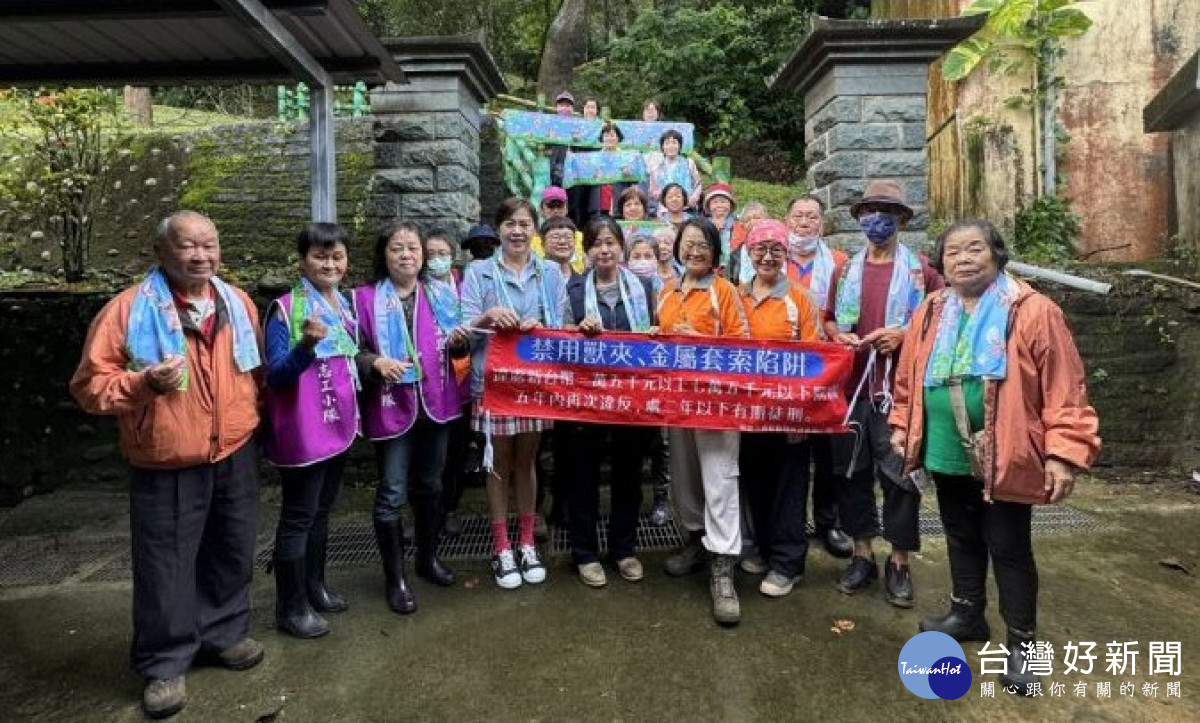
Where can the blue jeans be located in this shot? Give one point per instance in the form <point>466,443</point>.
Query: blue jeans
<point>419,454</point>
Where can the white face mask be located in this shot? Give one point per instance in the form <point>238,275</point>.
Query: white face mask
<point>643,267</point>
<point>802,246</point>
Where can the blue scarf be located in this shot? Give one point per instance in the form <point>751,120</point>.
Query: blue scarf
<point>633,298</point>
<point>391,330</point>
<point>551,315</point>
<point>155,332</point>
<point>979,351</point>
<point>308,302</point>
<point>822,274</point>
<point>443,299</point>
<point>904,293</point>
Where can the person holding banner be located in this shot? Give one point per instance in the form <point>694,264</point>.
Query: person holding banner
<point>410,327</point>
<point>774,465</point>
<point>874,296</point>
<point>513,291</point>
<point>990,399</point>
<point>314,418</point>
<point>675,169</point>
<point>704,463</point>
<point>607,298</point>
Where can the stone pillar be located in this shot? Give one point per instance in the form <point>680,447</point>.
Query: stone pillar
<point>864,85</point>
<point>427,133</point>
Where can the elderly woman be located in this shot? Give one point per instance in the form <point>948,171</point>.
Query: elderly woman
<point>990,400</point>
<point>607,298</point>
<point>633,205</point>
<point>774,465</point>
<point>513,291</point>
<point>409,327</point>
<point>719,205</point>
<point>704,463</point>
<point>675,169</point>
<point>672,206</point>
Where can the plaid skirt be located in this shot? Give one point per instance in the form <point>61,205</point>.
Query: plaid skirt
<point>503,426</point>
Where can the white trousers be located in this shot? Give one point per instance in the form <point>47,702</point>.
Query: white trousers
<point>704,486</point>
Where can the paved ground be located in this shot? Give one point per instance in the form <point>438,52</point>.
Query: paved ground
<point>629,652</point>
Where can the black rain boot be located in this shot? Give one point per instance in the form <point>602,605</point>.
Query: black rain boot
<point>293,613</point>
<point>321,597</point>
<point>965,622</point>
<point>399,595</point>
<point>660,477</point>
<point>428,514</point>
<point>1017,679</point>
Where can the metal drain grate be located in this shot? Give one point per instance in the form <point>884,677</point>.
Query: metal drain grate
<point>354,543</point>
<point>47,561</point>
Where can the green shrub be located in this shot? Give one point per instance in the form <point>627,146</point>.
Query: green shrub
<point>1045,231</point>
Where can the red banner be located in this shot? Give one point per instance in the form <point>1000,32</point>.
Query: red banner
<point>672,381</point>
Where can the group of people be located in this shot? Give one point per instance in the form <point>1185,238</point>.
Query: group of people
<point>965,379</point>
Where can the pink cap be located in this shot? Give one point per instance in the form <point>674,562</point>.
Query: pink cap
<point>767,230</point>
<point>554,193</point>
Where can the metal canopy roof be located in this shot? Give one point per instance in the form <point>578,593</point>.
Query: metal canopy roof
<point>175,42</point>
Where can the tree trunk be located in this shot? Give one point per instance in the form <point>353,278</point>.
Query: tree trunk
<point>566,47</point>
<point>137,104</point>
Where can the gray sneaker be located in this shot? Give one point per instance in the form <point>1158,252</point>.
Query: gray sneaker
<point>163,698</point>
<point>688,559</point>
<point>777,585</point>
<point>726,610</point>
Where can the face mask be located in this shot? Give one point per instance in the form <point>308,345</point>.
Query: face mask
<point>879,228</point>
<point>440,266</point>
<point>479,252</point>
<point>643,267</point>
<point>799,246</point>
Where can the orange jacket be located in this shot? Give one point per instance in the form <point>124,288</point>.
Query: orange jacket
<point>774,318</point>
<point>212,419</point>
<point>1040,410</point>
<point>711,307</point>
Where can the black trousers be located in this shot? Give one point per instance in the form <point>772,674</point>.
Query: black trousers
<point>626,445</point>
<point>976,531</point>
<point>774,477</point>
<point>454,473</point>
<point>308,495</point>
<point>824,483</point>
<point>866,453</point>
<point>192,532</point>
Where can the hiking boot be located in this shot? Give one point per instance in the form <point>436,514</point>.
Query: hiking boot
<point>592,574</point>
<point>725,607</point>
<point>630,569</point>
<point>532,569</point>
<point>778,585</point>
<point>897,581</point>
<point>242,655</point>
<point>164,697</point>
<point>860,573</point>
<point>688,559</point>
<point>1017,679</point>
<point>965,623</point>
<point>504,569</point>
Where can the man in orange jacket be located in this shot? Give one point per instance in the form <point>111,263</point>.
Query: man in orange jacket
<point>173,358</point>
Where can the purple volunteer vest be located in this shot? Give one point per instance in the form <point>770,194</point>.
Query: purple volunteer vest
<point>318,417</point>
<point>389,410</point>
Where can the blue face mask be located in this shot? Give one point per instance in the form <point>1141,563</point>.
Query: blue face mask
<point>878,227</point>
<point>440,266</point>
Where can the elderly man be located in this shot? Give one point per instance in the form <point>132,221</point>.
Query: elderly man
<point>173,358</point>
<point>873,298</point>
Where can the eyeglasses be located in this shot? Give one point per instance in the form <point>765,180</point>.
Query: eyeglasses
<point>694,246</point>
<point>775,250</point>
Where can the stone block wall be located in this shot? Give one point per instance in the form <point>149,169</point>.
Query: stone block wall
<point>867,123</point>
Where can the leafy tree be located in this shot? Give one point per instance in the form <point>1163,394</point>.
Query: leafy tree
<point>707,63</point>
<point>1017,32</point>
<point>59,175</point>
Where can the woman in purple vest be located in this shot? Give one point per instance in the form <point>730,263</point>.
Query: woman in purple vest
<point>515,290</point>
<point>311,381</point>
<point>410,327</point>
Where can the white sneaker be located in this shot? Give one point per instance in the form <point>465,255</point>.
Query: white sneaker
<point>753,565</point>
<point>532,570</point>
<point>504,568</point>
<point>777,585</point>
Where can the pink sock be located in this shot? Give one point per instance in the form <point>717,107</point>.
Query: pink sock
<point>500,537</point>
<point>525,529</point>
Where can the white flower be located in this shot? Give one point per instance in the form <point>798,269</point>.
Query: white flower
<point>171,167</point>
<point>116,185</point>
<point>133,169</point>
<point>31,186</point>
<point>151,182</point>
<point>37,236</point>
<point>45,256</point>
